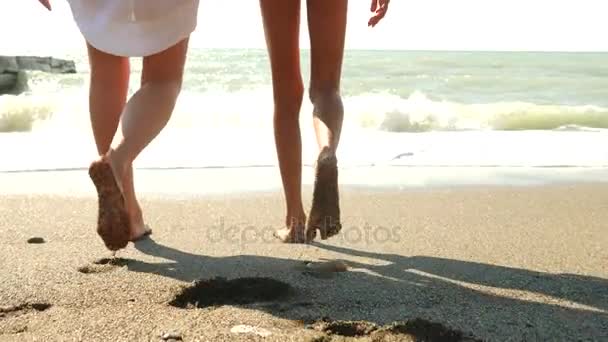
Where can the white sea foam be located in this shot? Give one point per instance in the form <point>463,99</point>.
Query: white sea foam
<point>448,110</point>
<point>253,109</point>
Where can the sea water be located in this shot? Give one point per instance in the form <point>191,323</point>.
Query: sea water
<point>402,108</point>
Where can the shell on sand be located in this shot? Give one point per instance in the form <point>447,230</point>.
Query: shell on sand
<point>330,266</point>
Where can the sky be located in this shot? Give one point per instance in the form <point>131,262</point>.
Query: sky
<point>512,25</point>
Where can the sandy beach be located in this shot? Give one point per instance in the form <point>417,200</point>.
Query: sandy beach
<point>473,171</point>
<point>492,263</point>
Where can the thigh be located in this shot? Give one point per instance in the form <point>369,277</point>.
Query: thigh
<point>108,71</point>
<point>327,29</point>
<point>166,66</point>
<point>281,27</point>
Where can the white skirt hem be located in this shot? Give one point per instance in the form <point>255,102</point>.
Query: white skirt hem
<point>137,38</point>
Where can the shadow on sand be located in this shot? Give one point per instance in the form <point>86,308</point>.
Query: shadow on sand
<point>492,302</point>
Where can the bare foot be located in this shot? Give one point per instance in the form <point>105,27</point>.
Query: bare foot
<point>139,229</point>
<point>325,211</point>
<point>113,223</point>
<point>293,233</point>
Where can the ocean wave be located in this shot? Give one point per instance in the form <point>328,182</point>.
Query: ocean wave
<point>19,113</point>
<point>418,113</point>
<point>254,109</point>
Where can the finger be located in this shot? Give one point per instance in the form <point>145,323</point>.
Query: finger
<point>46,3</point>
<point>374,5</point>
<point>373,21</point>
<point>382,6</point>
<point>382,13</point>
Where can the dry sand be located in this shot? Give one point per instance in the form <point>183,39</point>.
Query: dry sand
<point>500,263</point>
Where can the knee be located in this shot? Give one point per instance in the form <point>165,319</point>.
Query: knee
<point>288,93</point>
<point>288,98</point>
<point>323,93</point>
<point>167,89</point>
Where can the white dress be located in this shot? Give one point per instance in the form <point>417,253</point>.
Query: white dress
<point>134,28</point>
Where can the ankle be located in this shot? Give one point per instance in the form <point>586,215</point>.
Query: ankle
<point>294,220</point>
<point>327,156</point>
<point>134,209</point>
<point>120,159</point>
<point>327,150</point>
<point>116,160</point>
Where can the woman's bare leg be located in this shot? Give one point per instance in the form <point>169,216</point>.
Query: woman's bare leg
<point>109,83</point>
<point>144,116</point>
<point>107,99</point>
<point>327,28</point>
<point>281,25</point>
<point>107,95</point>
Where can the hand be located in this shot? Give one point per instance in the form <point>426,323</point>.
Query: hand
<point>46,3</point>
<point>379,8</point>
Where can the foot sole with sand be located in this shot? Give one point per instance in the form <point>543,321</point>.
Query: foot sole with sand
<point>113,218</point>
<point>325,211</point>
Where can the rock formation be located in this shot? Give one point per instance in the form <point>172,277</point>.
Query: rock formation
<point>13,77</point>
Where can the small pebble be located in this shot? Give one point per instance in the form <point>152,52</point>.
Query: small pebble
<point>248,329</point>
<point>171,336</point>
<point>35,240</point>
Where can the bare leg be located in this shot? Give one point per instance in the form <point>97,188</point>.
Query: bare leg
<point>327,26</point>
<point>144,116</point>
<point>153,71</point>
<point>107,97</point>
<point>281,25</point>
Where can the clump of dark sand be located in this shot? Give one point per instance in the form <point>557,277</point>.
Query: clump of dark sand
<point>409,331</point>
<point>112,261</point>
<point>239,291</point>
<point>22,309</point>
<point>424,330</point>
<point>103,265</point>
<point>349,328</point>
<point>35,240</point>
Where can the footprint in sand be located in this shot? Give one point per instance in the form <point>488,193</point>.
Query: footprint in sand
<point>411,330</point>
<point>22,309</point>
<point>103,265</point>
<point>220,291</point>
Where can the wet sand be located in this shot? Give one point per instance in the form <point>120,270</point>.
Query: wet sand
<point>487,263</point>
